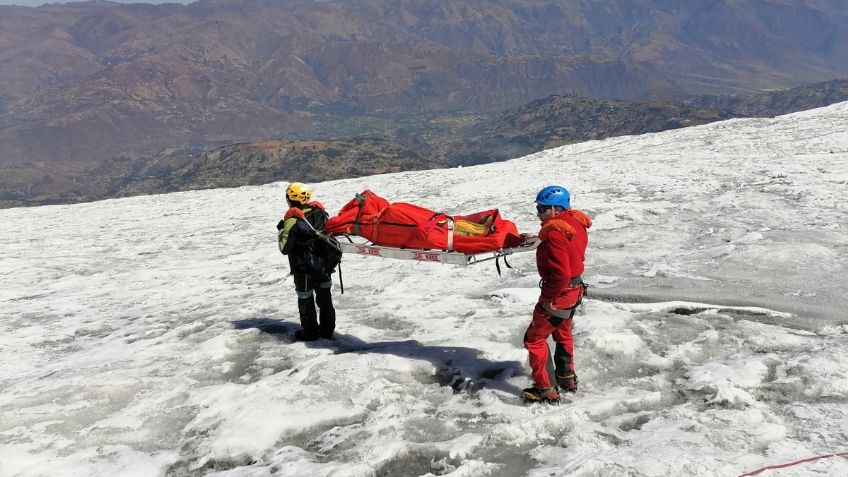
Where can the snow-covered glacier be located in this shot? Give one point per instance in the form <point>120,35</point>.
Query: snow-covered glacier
<point>150,336</point>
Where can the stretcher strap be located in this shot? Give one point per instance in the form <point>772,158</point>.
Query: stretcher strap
<point>494,219</point>
<point>450,233</point>
<point>358,214</point>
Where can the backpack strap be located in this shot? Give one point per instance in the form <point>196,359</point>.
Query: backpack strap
<point>341,282</point>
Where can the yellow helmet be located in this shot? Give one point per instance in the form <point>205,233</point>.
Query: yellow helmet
<point>299,192</point>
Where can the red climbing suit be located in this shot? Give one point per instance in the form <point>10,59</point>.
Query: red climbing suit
<point>559,259</point>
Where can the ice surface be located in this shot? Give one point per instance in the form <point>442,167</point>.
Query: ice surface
<point>151,335</point>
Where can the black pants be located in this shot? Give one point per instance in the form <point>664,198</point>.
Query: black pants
<point>312,290</point>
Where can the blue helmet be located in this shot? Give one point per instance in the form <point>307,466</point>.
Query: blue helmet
<point>555,196</point>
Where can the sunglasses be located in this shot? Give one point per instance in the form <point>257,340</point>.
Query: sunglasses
<point>543,208</point>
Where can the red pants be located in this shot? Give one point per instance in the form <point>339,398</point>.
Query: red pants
<point>536,342</point>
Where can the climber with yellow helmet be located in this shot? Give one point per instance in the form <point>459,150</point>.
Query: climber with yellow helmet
<point>312,259</point>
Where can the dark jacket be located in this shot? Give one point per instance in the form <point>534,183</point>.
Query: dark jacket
<point>298,240</point>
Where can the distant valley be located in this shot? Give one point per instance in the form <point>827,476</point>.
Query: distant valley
<point>414,143</point>
<point>103,100</point>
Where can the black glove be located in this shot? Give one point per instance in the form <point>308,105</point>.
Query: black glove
<point>281,224</point>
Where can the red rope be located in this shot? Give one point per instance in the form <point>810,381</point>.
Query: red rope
<point>790,464</point>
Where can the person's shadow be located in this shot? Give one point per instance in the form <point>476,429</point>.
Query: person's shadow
<point>458,367</point>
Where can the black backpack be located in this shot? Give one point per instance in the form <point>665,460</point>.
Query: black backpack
<point>324,255</point>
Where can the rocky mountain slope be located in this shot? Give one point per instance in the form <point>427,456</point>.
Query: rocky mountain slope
<point>411,143</point>
<point>97,86</point>
<point>778,102</point>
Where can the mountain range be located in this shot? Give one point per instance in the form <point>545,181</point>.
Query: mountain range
<point>88,88</point>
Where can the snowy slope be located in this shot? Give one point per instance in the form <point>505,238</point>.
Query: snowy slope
<point>149,336</point>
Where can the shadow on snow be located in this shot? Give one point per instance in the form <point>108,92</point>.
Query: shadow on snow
<point>458,367</point>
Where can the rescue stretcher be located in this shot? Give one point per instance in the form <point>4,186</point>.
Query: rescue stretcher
<point>372,226</point>
<point>357,245</point>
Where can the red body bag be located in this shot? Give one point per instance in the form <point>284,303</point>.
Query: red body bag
<point>405,225</point>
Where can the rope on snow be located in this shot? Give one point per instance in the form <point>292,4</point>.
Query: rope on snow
<point>790,464</point>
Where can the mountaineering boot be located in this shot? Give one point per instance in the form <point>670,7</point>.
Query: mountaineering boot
<point>308,319</point>
<point>327,313</point>
<point>567,383</point>
<point>534,394</point>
